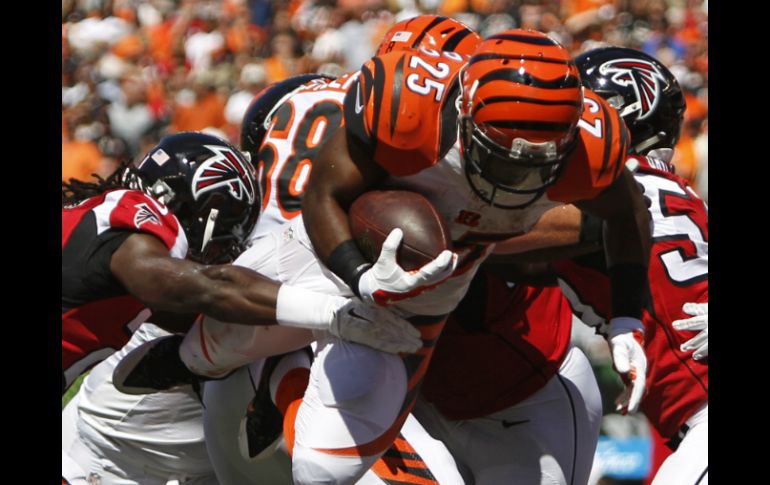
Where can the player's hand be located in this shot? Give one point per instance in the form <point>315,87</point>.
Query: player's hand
<point>374,326</point>
<point>699,321</point>
<point>626,338</point>
<point>387,282</point>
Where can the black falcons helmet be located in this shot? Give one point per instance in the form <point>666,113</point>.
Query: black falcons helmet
<point>209,186</point>
<point>645,92</point>
<point>255,120</point>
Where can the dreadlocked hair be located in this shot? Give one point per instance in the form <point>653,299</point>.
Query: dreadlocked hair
<point>124,177</point>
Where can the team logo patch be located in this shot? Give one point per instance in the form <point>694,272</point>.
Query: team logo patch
<point>145,214</point>
<point>643,76</point>
<point>224,169</point>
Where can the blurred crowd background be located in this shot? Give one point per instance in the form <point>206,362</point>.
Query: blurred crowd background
<point>134,70</point>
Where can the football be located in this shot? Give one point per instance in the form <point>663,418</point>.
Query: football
<point>374,214</point>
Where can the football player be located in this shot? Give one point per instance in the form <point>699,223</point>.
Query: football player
<point>512,400</point>
<point>300,114</point>
<point>519,90</point>
<point>124,244</point>
<point>493,142</point>
<point>675,316</point>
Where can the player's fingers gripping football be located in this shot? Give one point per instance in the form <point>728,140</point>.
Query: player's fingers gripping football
<point>387,282</point>
<point>626,338</point>
<point>699,321</point>
<point>375,327</point>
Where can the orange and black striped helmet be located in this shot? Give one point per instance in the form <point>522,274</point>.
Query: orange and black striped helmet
<point>520,105</point>
<point>430,31</point>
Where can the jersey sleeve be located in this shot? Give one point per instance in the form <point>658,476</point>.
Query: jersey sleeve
<point>599,156</point>
<point>401,116</point>
<point>134,211</point>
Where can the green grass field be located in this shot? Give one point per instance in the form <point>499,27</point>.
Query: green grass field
<point>72,390</point>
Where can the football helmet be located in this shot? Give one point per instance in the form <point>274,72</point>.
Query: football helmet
<point>431,31</point>
<point>643,90</point>
<point>211,189</point>
<point>256,120</point>
<point>520,104</point>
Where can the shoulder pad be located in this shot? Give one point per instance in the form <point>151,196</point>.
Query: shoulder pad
<point>136,211</point>
<point>600,154</point>
<point>402,108</point>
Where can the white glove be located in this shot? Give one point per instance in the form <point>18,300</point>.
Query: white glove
<point>626,337</point>
<point>346,318</point>
<point>376,327</point>
<point>387,282</point>
<point>699,321</point>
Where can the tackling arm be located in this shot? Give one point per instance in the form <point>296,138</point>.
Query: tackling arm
<point>225,292</point>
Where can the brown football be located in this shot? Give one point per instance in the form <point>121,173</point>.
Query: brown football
<point>374,214</point>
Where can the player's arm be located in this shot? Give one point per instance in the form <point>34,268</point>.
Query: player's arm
<point>342,172</point>
<point>239,295</point>
<point>626,235</point>
<point>225,292</point>
<point>561,232</point>
<point>627,248</point>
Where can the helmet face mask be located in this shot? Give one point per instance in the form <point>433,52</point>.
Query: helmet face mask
<point>515,177</point>
<point>211,189</point>
<point>519,105</point>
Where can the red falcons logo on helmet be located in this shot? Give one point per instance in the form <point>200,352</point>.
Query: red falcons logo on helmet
<point>224,169</point>
<point>643,76</point>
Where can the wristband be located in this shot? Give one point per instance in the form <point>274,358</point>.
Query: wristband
<point>630,291</point>
<point>347,262</point>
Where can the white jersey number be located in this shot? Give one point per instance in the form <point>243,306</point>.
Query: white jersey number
<point>671,225</point>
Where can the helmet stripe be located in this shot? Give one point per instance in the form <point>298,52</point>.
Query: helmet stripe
<point>432,24</point>
<point>529,125</point>
<point>455,40</point>
<point>525,39</point>
<point>503,99</point>
<point>525,78</point>
<point>396,98</point>
<point>495,56</point>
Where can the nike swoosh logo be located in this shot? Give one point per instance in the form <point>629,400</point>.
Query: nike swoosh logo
<point>353,314</point>
<point>359,106</point>
<point>508,424</point>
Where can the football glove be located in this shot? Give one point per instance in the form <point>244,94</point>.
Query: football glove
<point>376,327</point>
<point>699,321</point>
<point>346,318</point>
<point>626,339</point>
<point>387,282</point>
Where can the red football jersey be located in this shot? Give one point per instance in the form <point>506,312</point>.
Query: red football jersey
<point>500,345</point>
<point>98,316</point>
<point>677,385</point>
